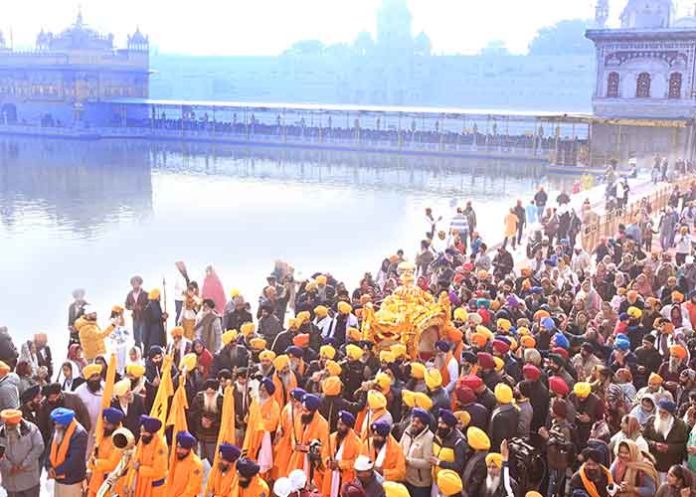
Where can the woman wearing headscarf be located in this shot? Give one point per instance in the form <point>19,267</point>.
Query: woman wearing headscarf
<point>76,355</point>
<point>630,430</point>
<point>205,358</point>
<point>634,471</point>
<point>213,289</point>
<point>71,378</point>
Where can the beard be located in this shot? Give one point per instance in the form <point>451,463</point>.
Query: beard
<point>378,444</point>
<point>94,386</point>
<point>443,432</point>
<point>223,467</point>
<point>287,378</point>
<point>181,457</point>
<point>307,418</point>
<point>146,438</point>
<point>674,364</point>
<point>244,483</point>
<point>663,426</point>
<point>492,483</point>
<point>210,402</point>
<point>108,432</point>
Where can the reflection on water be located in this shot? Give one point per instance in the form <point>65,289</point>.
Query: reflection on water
<point>90,214</point>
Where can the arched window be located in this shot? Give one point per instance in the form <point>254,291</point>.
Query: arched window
<point>613,85</point>
<point>675,84</point>
<point>643,85</point>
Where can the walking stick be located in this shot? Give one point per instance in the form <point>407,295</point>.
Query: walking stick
<point>164,296</point>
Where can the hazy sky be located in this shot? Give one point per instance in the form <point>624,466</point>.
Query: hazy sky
<point>266,27</point>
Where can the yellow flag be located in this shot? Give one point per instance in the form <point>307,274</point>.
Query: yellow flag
<point>107,393</point>
<point>164,391</point>
<point>254,431</point>
<point>227,432</point>
<point>177,415</point>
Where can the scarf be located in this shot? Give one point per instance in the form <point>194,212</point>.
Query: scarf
<point>589,485</point>
<point>631,470</point>
<point>59,451</point>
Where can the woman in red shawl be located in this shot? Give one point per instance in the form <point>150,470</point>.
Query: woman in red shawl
<point>213,290</point>
<point>205,358</point>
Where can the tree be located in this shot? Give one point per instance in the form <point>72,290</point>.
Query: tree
<point>563,38</point>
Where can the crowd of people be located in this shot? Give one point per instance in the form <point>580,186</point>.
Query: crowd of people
<point>559,372</point>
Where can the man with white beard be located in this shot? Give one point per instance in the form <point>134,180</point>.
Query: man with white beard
<point>666,435</point>
<point>446,364</point>
<point>206,413</point>
<point>498,481</point>
<point>90,393</point>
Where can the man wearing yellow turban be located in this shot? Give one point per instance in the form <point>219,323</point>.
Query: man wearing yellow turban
<point>449,483</point>
<point>376,410</point>
<point>283,379</point>
<point>505,417</point>
<point>433,382</point>
<point>475,470</point>
<point>588,408</point>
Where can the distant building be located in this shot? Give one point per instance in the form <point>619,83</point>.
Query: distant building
<point>645,68</point>
<point>66,74</point>
<point>644,71</point>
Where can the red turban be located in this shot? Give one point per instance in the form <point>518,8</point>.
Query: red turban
<point>558,386</point>
<point>485,360</point>
<point>500,346</point>
<point>531,372</point>
<point>472,381</point>
<point>561,352</point>
<point>465,395</point>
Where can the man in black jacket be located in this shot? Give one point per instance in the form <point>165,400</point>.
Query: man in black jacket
<point>54,398</point>
<point>132,406</point>
<point>231,355</point>
<point>449,446</point>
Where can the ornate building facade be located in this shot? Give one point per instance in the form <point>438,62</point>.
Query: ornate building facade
<point>59,81</point>
<point>646,68</point>
<point>645,72</point>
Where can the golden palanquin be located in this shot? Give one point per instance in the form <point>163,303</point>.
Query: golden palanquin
<point>409,316</point>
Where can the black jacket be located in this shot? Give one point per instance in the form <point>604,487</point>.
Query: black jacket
<point>235,319</point>
<point>503,425</point>
<point>454,442</point>
<point>230,356</point>
<point>132,419</point>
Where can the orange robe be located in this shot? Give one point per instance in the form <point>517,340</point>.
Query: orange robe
<point>350,448</point>
<point>185,477</point>
<point>366,419</point>
<point>106,461</point>
<point>394,463</point>
<point>284,443</point>
<point>317,429</point>
<point>222,483</point>
<point>282,393</point>
<point>257,488</point>
<point>444,372</point>
<point>153,459</point>
<point>263,421</point>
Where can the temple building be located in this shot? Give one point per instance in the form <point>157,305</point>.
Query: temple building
<point>645,71</point>
<point>62,80</point>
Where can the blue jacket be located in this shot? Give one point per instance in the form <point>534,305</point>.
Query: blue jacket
<point>73,468</point>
